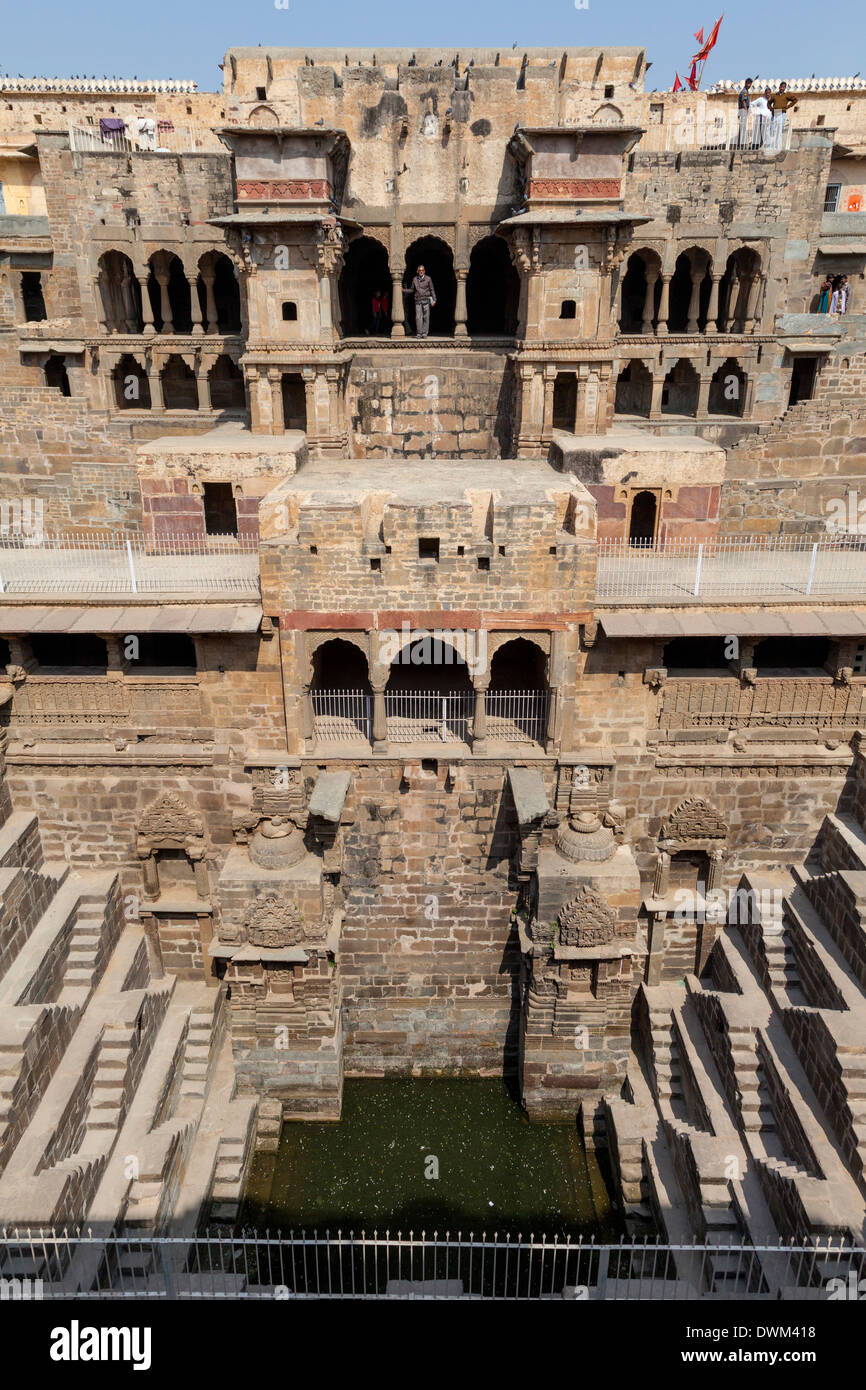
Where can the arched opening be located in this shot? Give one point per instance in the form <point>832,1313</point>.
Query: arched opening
<point>518,665</point>
<point>365,274</point>
<point>680,389</point>
<point>32,297</point>
<point>120,293</point>
<point>727,394</point>
<point>517,698</point>
<point>686,313</point>
<point>131,386</point>
<point>634,389</point>
<point>640,269</point>
<point>294,401</point>
<point>438,263</point>
<point>564,401</point>
<point>56,375</point>
<point>742,269</point>
<point>179,390</point>
<point>169,292</point>
<point>643,518</point>
<point>340,692</point>
<point>429,695</point>
<point>219,294</point>
<point>492,289</point>
<point>226,383</point>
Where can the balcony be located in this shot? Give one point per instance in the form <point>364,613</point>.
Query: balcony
<point>425,717</point>
<point>692,129</point>
<point>784,568</point>
<point>95,701</point>
<point>723,702</point>
<point>118,566</point>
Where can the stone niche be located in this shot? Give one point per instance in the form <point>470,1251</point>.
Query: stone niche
<point>580,945</point>
<point>279,943</point>
<point>176,911</point>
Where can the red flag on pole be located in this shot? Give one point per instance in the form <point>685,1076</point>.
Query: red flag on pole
<point>700,34</point>
<point>677,85</point>
<point>710,43</point>
<point>692,78</point>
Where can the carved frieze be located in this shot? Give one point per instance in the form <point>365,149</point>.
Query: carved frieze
<point>170,818</point>
<point>695,819</point>
<point>586,920</point>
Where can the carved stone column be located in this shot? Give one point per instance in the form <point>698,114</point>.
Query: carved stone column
<point>460,330</point>
<point>649,303</point>
<point>146,307</point>
<point>664,306</point>
<point>655,411</point>
<point>479,719</point>
<point>713,306</point>
<point>155,382</point>
<point>210,302</point>
<point>716,866</point>
<point>661,880</point>
<point>547,415</point>
<point>704,392</point>
<point>100,291</point>
<point>201,382</point>
<point>752,322</point>
<point>275,377</point>
<point>164,302</point>
<point>194,305</point>
<point>733,296</point>
<point>150,874</point>
<point>695,301</point>
<point>114,652</point>
<point>380,719</point>
<point>398,312</point>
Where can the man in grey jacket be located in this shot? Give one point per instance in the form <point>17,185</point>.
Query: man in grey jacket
<point>425,298</point>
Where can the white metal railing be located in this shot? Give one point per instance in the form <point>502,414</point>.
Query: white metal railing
<point>722,130</point>
<point>150,137</point>
<point>733,566</point>
<point>517,716</point>
<point>121,565</point>
<point>342,715</point>
<point>413,716</point>
<point>50,1264</point>
<point>416,716</point>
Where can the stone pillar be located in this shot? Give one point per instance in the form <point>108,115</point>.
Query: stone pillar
<point>380,720</point>
<point>201,381</point>
<point>714,872</point>
<point>662,874</point>
<point>655,411</point>
<point>164,302</point>
<point>547,413</point>
<point>146,307</point>
<point>114,652</point>
<point>21,653</point>
<point>308,722</point>
<point>260,401</point>
<point>195,306</point>
<point>210,302</point>
<point>479,718</point>
<point>713,307</point>
<point>460,330</point>
<point>275,377</point>
<point>551,732</point>
<point>694,301</point>
<point>664,306</point>
<point>398,312</point>
<point>150,873</point>
<point>649,303</point>
<point>155,383</point>
<point>101,295</point>
<point>704,391</point>
<point>199,868</point>
<point>309,377</point>
<point>752,321</point>
<point>731,311</point>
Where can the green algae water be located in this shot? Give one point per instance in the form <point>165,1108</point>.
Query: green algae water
<point>429,1155</point>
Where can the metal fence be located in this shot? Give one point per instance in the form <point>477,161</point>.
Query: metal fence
<point>144,136</point>
<point>411,716</point>
<point>342,716</point>
<point>122,566</point>
<point>780,567</point>
<point>416,716</point>
<point>705,129</point>
<point>336,1265</point>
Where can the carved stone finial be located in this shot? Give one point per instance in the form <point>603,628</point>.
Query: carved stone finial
<point>583,838</point>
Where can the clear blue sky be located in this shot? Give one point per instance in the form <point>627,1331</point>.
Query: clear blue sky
<point>187,38</point>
